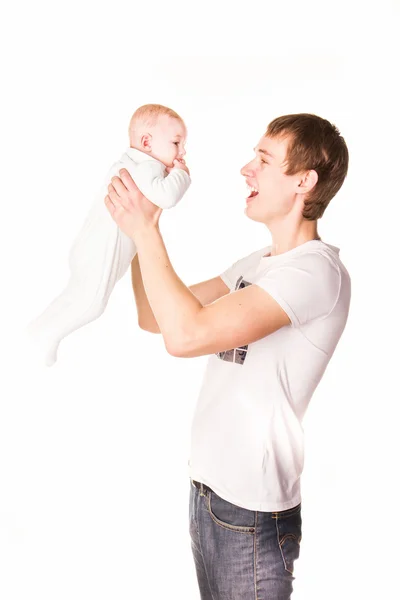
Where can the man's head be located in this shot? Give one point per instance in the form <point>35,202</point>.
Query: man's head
<point>300,164</point>
<point>158,131</point>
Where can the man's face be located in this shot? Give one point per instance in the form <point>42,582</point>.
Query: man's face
<point>168,138</point>
<point>275,192</point>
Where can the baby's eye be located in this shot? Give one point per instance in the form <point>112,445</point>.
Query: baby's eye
<point>176,143</point>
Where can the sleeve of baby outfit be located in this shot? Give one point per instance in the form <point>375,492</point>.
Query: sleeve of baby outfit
<point>231,275</point>
<point>306,287</point>
<point>164,191</point>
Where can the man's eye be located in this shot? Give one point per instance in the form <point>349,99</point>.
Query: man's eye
<point>264,161</point>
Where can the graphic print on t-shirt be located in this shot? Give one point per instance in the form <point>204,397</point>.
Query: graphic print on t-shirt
<point>236,355</point>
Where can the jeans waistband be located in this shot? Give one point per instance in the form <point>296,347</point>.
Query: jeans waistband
<point>201,486</point>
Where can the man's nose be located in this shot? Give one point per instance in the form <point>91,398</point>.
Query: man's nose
<point>246,170</point>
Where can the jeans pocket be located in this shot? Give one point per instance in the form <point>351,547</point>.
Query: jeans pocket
<point>228,515</point>
<point>288,529</point>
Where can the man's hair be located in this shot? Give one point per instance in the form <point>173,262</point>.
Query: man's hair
<point>313,143</point>
<point>148,114</point>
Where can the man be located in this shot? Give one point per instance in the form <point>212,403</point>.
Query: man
<point>270,324</point>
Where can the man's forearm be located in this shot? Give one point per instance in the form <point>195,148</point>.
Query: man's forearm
<point>146,318</point>
<point>174,306</point>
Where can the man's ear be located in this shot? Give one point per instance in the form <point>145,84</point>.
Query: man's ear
<point>145,142</point>
<point>307,182</point>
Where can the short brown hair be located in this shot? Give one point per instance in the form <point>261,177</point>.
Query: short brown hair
<point>313,144</point>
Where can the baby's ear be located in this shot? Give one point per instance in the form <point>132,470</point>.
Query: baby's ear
<point>145,142</point>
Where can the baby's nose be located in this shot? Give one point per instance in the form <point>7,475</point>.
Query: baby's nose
<point>182,152</point>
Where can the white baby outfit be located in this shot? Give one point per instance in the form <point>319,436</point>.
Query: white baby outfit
<point>101,253</point>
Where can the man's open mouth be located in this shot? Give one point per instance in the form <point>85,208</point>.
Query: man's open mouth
<point>253,191</point>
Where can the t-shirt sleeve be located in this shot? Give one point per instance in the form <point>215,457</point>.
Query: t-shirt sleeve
<point>307,287</point>
<point>232,274</point>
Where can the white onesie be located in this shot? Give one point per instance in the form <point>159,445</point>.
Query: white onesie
<point>101,254</point>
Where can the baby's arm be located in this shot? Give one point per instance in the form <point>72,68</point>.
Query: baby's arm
<point>164,191</point>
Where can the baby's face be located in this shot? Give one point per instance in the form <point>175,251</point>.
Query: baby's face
<point>168,138</point>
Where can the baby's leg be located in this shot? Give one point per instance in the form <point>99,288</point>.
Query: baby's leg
<point>99,257</point>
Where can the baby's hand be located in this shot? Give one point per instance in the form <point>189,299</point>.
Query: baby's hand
<point>179,163</point>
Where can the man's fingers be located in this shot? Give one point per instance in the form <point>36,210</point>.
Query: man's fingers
<point>113,206</point>
<point>117,188</point>
<point>127,180</point>
<point>112,195</point>
<point>117,185</point>
<point>109,204</point>
<point>116,200</point>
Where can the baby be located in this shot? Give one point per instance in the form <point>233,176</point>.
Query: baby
<point>102,253</point>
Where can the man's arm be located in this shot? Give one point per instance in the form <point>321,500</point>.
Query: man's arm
<point>190,328</point>
<point>206,292</point>
<point>187,326</point>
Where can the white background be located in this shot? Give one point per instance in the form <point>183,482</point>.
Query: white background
<point>93,451</point>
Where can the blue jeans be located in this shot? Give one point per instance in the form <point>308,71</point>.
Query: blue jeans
<point>242,554</point>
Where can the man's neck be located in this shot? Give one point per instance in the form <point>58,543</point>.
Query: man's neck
<point>283,241</point>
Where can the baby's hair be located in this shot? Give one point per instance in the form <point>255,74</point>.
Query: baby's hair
<point>148,115</point>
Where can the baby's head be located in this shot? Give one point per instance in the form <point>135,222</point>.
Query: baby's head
<point>159,131</point>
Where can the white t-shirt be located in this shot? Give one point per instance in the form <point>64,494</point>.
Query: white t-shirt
<point>247,436</point>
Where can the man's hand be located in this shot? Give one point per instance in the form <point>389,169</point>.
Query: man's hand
<point>131,211</point>
<point>179,163</point>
